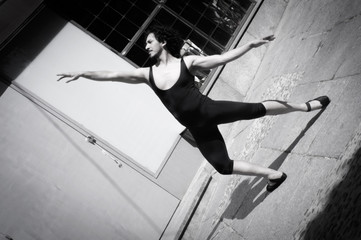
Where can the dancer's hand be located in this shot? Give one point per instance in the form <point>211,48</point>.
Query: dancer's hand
<point>260,42</point>
<point>269,38</point>
<point>73,76</point>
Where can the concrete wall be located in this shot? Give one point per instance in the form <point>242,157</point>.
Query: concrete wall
<point>238,76</point>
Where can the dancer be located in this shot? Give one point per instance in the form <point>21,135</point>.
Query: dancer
<point>172,79</point>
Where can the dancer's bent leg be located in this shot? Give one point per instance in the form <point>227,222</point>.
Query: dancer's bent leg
<point>251,169</point>
<point>211,144</point>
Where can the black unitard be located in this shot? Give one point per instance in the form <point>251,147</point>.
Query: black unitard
<point>201,115</point>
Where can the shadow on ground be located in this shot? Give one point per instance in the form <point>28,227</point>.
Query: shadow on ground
<point>341,217</point>
<point>254,188</point>
<point>253,192</point>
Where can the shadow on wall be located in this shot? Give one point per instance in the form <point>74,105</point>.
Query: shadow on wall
<point>3,87</point>
<point>25,46</point>
<point>341,217</point>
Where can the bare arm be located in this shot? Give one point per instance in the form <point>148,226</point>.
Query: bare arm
<point>212,61</point>
<point>132,76</point>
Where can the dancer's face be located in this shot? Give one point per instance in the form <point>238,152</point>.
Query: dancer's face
<point>153,46</point>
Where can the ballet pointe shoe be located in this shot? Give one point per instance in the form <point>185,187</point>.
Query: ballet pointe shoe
<point>273,184</point>
<point>324,100</point>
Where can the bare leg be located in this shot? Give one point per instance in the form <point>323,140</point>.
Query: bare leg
<point>251,169</point>
<point>275,107</point>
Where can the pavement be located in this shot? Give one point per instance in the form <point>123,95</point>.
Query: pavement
<point>317,51</point>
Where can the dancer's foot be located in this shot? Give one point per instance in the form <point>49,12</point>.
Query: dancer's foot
<point>273,184</point>
<point>317,103</point>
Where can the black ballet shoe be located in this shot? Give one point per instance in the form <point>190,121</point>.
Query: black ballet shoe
<point>275,183</point>
<point>324,100</point>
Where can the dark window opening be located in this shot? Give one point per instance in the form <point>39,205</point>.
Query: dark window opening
<point>207,26</point>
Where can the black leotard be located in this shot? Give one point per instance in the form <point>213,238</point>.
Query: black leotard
<point>183,99</point>
<point>201,115</point>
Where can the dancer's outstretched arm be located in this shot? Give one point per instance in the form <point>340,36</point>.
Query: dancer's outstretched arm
<point>212,61</point>
<point>132,76</point>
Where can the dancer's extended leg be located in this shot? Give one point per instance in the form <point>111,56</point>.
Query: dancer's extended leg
<point>275,107</point>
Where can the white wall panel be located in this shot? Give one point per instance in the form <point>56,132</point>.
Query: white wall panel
<point>128,116</point>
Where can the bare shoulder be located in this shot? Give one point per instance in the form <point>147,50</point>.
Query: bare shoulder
<point>142,74</point>
<point>191,61</point>
<point>204,62</point>
<point>188,60</point>
<point>195,62</point>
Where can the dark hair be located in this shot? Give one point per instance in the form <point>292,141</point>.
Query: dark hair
<point>169,35</point>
